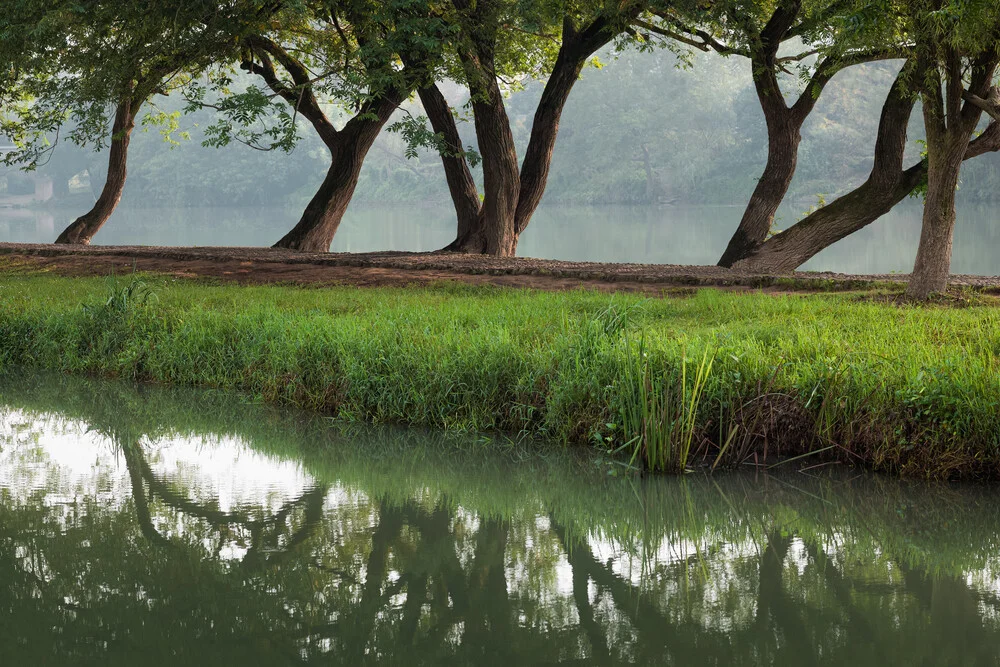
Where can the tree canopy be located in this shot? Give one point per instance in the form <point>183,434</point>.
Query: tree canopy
<point>271,74</point>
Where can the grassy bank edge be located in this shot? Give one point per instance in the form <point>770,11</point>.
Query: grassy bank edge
<point>716,378</point>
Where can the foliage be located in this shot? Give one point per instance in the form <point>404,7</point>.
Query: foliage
<point>348,55</point>
<point>83,58</point>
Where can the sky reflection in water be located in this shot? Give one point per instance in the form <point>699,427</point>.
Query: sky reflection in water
<point>180,527</point>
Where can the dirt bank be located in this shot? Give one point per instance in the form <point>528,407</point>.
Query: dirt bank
<point>269,265</point>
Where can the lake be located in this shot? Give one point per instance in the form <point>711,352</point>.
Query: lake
<point>659,235</point>
<point>157,526</point>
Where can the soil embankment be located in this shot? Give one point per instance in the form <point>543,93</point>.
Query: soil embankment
<point>269,265</point>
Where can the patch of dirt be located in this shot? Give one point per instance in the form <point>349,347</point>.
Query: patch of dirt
<point>270,265</point>
<point>954,297</point>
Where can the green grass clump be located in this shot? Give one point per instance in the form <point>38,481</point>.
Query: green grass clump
<point>719,376</point>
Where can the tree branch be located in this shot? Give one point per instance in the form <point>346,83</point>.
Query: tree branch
<point>301,97</point>
<point>831,65</point>
<point>990,105</point>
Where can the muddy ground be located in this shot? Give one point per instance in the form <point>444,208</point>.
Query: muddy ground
<point>269,265</point>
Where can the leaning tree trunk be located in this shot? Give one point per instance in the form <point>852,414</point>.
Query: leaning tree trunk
<point>464,194</point>
<point>783,129</point>
<point>784,125</point>
<point>348,147</point>
<point>544,129</point>
<point>933,264</point>
<point>793,247</point>
<point>316,228</point>
<point>318,225</point>
<point>82,230</point>
<point>848,214</point>
<point>887,184</point>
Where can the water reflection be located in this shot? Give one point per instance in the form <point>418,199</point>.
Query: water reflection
<point>664,235</point>
<point>189,528</point>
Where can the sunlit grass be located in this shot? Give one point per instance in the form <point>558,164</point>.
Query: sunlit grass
<point>906,389</point>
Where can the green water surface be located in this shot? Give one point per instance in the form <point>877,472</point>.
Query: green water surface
<point>151,526</point>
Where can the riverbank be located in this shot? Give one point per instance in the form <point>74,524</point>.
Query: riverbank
<point>394,269</point>
<point>704,377</point>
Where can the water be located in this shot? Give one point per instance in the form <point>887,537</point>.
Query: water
<point>167,527</point>
<point>670,235</point>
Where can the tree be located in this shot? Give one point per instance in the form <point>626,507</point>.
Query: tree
<point>90,60</point>
<point>499,39</point>
<point>957,52</point>
<point>347,52</point>
<point>889,183</point>
<point>821,46</point>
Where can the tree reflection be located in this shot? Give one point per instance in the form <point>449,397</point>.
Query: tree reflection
<point>731,573</point>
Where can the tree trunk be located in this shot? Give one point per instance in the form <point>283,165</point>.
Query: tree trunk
<point>318,225</point>
<point>348,147</point>
<point>933,264</point>
<point>545,128</point>
<point>316,228</point>
<point>793,247</point>
<point>783,129</point>
<point>887,184</point>
<point>784,124</point>
<point>501,177</point>
<point>495,232</point>
<point>523,187</point>
<point>949,125</point>
<point>464,194</point>
<point>82,229</point>
<point>850,213</point>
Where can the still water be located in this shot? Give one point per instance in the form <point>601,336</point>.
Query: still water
<point>164,527</point>
<point>659,235</point>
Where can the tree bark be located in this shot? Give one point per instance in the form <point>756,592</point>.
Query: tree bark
<point>784,125</point>
<point>933,263</point>
<point>348,147</point>
<point>886,185</point>
<point>758,217</point>
<point>848,214</point>
<point>464,193</point>
<point>318,225</point>
<point>573,54</point>
<point>949,125</point>
<point>495,232</point>
<point>498,152</point>
<point>82,230</point>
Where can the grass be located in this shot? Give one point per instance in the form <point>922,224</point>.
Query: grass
<point>718,377</point>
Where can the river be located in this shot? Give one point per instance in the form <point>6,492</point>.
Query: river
<point>158,526</point>
<point>659,235</point>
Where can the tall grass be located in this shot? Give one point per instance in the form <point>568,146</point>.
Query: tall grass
<point>718,377</point>
<point>660,409</point>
